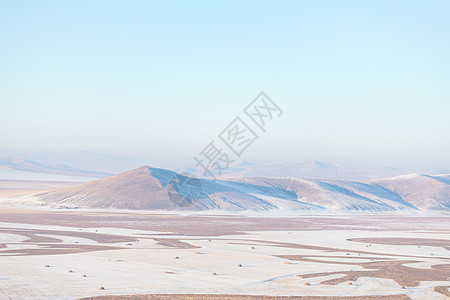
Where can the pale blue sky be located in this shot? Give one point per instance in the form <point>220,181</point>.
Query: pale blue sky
<point>360,82</point>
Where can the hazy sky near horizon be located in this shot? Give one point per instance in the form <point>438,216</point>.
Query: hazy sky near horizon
<point>360,82</point>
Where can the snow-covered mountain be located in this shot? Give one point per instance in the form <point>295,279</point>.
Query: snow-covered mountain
<point>307,169</point>
<point>153,188</point>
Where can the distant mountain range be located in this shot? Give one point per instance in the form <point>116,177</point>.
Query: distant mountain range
<point>97,165</point>
<point>306,169</point>
<point>153,188</point>
<point>28,165</point>
<point>82,163</point>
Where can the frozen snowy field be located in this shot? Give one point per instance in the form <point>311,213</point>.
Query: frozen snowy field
<point>149,253</point>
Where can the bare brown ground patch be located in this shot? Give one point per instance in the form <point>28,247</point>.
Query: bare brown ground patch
<point>443,268</point>
<point>31,235</point>
<point>243,297</point>
<point>174,243</point>
<point>217,225</point>
<point>44,245</point>
<point>394,270</point>
<point>321,248</point>
<point>405,241</point>
<point>52,246</point>
<point>34,235</point>
<point>56,249</point>
<point>442,290</point>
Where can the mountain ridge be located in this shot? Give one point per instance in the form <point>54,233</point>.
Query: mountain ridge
<point>154,188</point>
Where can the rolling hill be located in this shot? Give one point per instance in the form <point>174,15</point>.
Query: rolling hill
<point>154,188</point>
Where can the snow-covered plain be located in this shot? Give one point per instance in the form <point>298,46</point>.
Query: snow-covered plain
<point>147,264</point>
